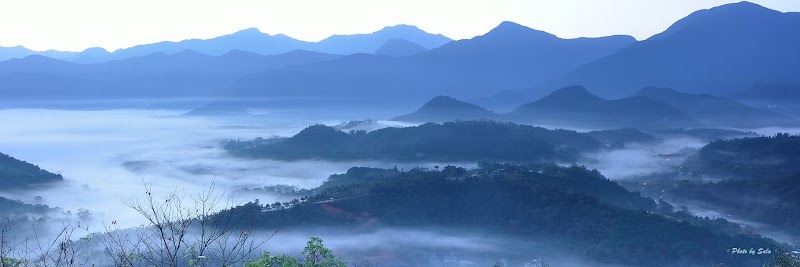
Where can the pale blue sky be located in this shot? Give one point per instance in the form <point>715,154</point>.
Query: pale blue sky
<point>112,24</point>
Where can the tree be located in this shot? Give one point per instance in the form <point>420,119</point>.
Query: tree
<point>267,260</point>
<point>61,249</point>
<point>315,254</point>
<point>783,259</point>
<point>182,229</point>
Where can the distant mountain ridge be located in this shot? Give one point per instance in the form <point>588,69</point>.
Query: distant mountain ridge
<point>250,40</point>
<point>509,56</point>
<point>158,75</point>
<point>574,106</point>
<point>719,51</point>
<point>717,111</point>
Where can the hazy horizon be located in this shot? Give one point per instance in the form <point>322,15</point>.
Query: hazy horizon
<point>77,29</point>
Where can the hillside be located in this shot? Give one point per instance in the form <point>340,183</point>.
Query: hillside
<point>718,111</point>
<point>773,202</point>
<point>719,51</point>
<point>451,141</point>
<point>444,108</point>
<point>183,74</point>
<point>509,56</point>
<point>574,106</point>
<point>568,207</point>
<point>17,174</point>
<point>747,158</point>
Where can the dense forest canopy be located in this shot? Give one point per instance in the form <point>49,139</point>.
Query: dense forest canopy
<point>774,202</point>
<point>450,141</point>
<point>15,173</point>
<point>744,158</point>
<point>575,208</point>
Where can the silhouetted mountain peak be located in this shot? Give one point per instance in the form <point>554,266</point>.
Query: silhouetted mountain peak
<point>512,29</point>
<point>318,135</point>
<point>446,102</point>
<point>510,25</point>
<point>742,7</point>
<point>249,32</point>
<point>572,94</point>
<point>445,108</point>
<point>95,50</point>
<point>401,27</point>
<point>724,15</point>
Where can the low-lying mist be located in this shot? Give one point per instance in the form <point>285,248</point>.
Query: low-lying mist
<point>108,156</point>
<point>641,159</point>
<point>418,247</point>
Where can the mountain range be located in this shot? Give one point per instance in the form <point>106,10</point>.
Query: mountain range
<point>717,111</point>
<point>509,56</point>
<point>739,50</point>
<point>250,40</point>
<point>719,51</point>
<point>159,75</point>
<point>575,106</point>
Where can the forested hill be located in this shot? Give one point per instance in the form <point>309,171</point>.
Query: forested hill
<point>567,207</point>
<point>15,174</point>
<point>774,201</point>
<point>451,141</point>
<point>757,157</point>
<point>14,211</point>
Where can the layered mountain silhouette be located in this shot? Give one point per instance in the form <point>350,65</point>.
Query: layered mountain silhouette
<point>399,48</point>
<point>717,111</point>
<point>509,56</point>
<point>7,53</point>
<point>575,106</point>
<point>719,51</point>
<point>250,40</point>
<point>184,74</point>
<point>444,108</point>
<point>368,43</point>
<point>572,106</point>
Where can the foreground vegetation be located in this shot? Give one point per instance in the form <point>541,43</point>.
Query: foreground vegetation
<point>576,209</point>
